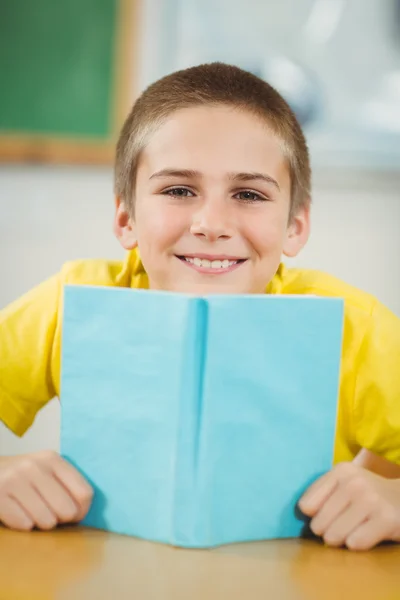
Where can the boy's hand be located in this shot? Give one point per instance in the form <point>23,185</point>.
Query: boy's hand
<point>41,490</point>
<point>354,507</point>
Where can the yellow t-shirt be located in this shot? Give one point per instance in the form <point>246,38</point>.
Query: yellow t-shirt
<point>369,403</point>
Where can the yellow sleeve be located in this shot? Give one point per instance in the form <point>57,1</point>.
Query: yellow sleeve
<point>377,392</point>
<point>27,330</point>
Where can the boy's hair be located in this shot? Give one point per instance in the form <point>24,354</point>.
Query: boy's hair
<point>211,84</point>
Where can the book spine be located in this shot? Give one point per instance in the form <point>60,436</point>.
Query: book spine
<point>189,433</point>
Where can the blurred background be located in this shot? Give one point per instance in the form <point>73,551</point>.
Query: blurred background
<point>70,71</point>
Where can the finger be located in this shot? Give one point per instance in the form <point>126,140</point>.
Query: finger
<point>77,487</point>
<point>12,515</point>
<point>54,495</point>
<point>318,493</point>
<point>367,535</point>
<point>347,522</point>
<point>334,506</point>
<point>34,505</point>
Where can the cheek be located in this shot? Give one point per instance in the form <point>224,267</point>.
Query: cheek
<point>267,235</point>
<point>158,225</point>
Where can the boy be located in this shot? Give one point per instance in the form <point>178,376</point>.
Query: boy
<point>212,185</point>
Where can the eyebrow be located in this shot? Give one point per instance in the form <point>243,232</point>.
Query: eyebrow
<point>254,176</point>
<point>190,174</point>
<point>183,173</point>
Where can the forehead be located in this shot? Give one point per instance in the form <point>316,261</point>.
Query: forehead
<point>217,138</point>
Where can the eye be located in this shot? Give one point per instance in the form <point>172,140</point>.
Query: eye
<point>178,192</point>
<point>249,196</point>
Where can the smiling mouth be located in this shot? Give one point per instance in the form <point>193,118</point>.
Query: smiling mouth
<point>212,266</point>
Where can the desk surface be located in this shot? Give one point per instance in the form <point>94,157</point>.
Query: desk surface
<point>79,564</point>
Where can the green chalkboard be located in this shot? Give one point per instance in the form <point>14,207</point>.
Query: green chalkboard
<point>58,63</point>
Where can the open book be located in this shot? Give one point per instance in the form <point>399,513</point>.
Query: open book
<point>199,421</point>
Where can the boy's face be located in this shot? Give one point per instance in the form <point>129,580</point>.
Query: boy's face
<point>212,204</point>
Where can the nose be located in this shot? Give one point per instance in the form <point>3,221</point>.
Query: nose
<point>212,222</point>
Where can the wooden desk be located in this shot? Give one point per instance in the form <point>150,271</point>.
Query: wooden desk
<point>79,564</point>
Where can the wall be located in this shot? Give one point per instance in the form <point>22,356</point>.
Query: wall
<point>50,215</point>
<point>47,216</point>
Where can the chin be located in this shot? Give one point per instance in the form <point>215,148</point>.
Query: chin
<point>206,289</point>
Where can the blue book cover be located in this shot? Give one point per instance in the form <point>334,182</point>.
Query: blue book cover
<point>198,421</point>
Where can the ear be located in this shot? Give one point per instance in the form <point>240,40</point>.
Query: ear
<point>298,232</point>
<point>124,225</point>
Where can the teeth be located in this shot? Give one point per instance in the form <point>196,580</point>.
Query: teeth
<point>214,264</point>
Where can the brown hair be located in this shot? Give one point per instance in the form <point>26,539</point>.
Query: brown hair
<point>209,84</point>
